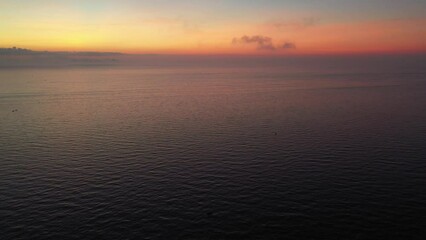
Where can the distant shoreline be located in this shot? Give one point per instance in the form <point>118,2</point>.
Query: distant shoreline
<point>24,51</point>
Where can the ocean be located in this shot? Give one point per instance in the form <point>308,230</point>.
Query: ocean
<point>214,149</point>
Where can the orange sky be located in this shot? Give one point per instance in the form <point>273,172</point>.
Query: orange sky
<point>223,27</point>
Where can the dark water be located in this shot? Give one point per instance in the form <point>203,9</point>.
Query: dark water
<point>212,153</point>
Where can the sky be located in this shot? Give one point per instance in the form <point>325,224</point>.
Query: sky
<point>264,27</point>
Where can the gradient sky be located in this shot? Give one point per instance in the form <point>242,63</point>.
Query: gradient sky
<point>216,26</point>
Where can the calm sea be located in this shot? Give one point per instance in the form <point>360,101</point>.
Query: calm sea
<point>213,151</point>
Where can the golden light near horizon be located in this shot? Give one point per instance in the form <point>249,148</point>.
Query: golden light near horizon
<point>206,27</point>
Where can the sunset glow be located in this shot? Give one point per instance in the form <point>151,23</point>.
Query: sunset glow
<point>209,27</point>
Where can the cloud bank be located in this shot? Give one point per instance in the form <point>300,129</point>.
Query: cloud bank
<point>262,43</point>
<point>289,45</point>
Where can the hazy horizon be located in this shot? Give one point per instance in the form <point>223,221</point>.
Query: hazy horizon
<point>213,119</point>
<point>21,57</point>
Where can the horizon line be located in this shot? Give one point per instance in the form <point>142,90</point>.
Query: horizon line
<point>27,51</point>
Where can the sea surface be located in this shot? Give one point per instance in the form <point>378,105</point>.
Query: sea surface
<point>213,151</point>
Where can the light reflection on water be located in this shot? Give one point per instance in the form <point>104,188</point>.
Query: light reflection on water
<point>220,153</point>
